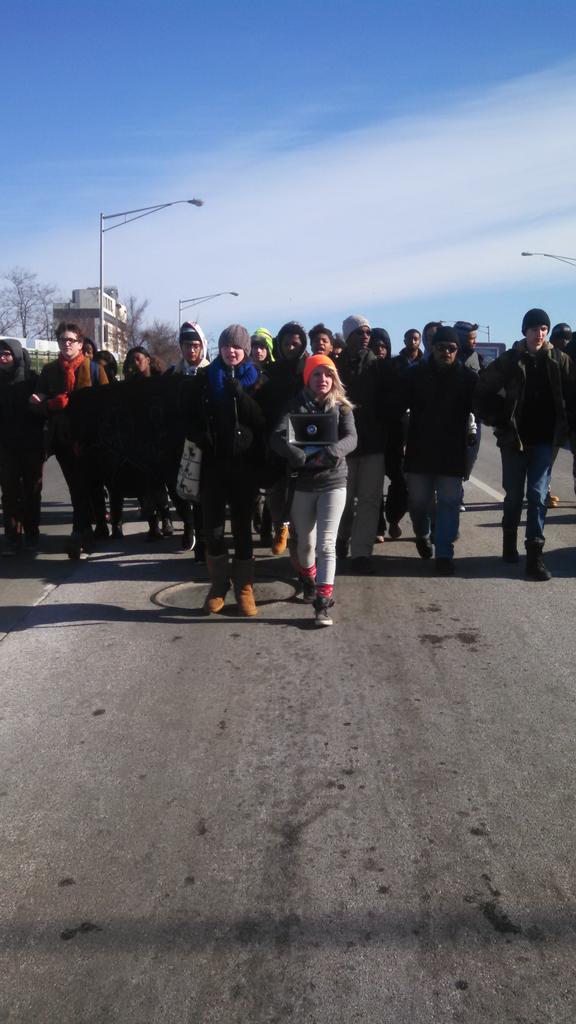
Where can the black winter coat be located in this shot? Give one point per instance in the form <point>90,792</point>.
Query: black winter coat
<point>367,380</point>
<point>502,387</point>
<point>283,382</point>
<point>440,401</point>
<point>227,429</point>
<point>19,427</point>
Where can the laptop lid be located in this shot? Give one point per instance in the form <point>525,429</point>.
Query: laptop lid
<point>313,428</point>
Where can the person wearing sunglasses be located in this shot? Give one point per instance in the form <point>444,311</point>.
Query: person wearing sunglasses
<point>440,395</point>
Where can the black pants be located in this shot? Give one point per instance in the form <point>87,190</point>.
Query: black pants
<point>21,484</point>
<point>229,483</point>
<point>76,472</point>
<point>397,496</point>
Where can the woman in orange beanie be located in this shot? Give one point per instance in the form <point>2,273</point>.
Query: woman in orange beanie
<point>315,435</point>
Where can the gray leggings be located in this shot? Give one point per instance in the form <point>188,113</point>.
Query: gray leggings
<point>316,517</point>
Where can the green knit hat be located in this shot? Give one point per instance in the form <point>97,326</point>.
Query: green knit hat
<point>260,335</point>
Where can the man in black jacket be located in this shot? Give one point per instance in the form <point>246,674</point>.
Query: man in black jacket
<point>411,354</point>
<point>528,395</point>
<point>362,374</point>
<point>440,394</point>
<point>284,381</point>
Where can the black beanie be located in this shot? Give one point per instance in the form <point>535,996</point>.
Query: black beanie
<point>444,336</point>
<point>535,318</point>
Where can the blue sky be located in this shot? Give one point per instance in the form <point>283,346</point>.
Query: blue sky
<point>385,158</point>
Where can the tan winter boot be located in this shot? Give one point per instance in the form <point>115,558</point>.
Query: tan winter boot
<point>243,575</point>
<point>280,539</point>
<point>220,583</point>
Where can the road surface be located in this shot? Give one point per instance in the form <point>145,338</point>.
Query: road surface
<point>225,820</point>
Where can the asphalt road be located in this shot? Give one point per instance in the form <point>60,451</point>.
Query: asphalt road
<point>254,821</point>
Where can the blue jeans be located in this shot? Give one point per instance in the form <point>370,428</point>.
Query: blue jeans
<point>529,469</point>
<point>421,489</point>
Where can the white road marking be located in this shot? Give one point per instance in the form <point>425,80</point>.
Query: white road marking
<point>487,490</point>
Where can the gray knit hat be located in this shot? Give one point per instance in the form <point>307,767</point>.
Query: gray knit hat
<point>235,334</point>
<point>352,323</point>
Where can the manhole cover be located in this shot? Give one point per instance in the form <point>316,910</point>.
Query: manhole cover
<point>190,596</point>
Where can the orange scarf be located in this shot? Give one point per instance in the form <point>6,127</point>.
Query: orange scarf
<point>69,367</point>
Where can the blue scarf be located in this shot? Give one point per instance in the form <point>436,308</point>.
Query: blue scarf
<point>219,373</point>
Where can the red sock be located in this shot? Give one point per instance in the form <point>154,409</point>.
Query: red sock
<point>308,574</point>
<point>325,590</point>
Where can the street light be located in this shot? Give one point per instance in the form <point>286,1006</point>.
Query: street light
<point>129,216</point>
<point>186,303</point>
<point>570,260</point>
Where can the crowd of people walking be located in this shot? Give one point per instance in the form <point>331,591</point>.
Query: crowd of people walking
<point>293,437</point>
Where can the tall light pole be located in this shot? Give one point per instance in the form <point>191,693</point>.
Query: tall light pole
<point>570,260</point>
<point>129,216</point>
<point>186,303</point>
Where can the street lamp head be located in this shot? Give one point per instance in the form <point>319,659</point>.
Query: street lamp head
<point>235,293</point>
<point>195,202</point>
<point>526,253</point>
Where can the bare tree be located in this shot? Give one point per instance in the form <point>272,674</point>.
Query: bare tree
<point>135,320</point>
<point>47,295</point>
<point>21,295</point>
<point>7,318</point>
<point>161,340</point>
<point>26,304</point>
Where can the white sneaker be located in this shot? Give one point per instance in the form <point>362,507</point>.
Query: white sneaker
<point>322,613</point>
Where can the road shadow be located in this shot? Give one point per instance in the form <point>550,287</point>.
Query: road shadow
<point>481,918</point>
<point>71,614</point>
<point>561,562</point>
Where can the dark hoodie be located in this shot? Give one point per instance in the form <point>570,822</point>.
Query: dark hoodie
<point>19,428</point>
<point>284,376</point>
<point>367,381</point>
<point>426,344</point>
<point>380,336</point>
<point>468,355</point>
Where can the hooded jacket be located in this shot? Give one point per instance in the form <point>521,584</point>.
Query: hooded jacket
<point>502,391</point>
<point>366,379</point>
<point>183,366</point>
<point>468,356</point>
<point>284,376</point>
<point>19,427</point>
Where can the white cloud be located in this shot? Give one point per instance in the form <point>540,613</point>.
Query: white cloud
<point>418,206</point>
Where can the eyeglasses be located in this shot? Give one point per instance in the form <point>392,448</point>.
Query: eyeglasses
<point>6,354</point>
<point>446,348</point>
<point>191,344</point>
